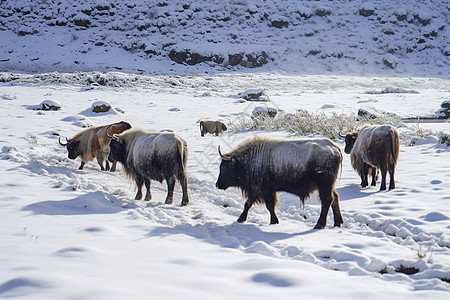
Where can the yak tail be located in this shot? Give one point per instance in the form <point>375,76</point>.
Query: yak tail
<point>394,145</point>
<point>201,125</point>
<point>181,157</point>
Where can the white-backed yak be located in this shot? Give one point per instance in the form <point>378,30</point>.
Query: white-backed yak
<point>149,155</point>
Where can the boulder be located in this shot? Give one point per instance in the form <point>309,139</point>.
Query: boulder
<point>100,106</point>
<point>48,105</point>
<point>254,95</point>
<point>262,111</point>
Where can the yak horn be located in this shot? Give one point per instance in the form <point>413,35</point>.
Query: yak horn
<point>113,137</point>
<point>223,156</point>
<point>59,140</point>
<point>220,153</point>
<point>107,134</point>
<point>342,134</point>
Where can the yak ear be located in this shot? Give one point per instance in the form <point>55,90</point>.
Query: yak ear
<point>234,161</point>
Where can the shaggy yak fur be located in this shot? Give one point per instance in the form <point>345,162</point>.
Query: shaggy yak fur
<point>213,127</point>
<point>147,155</point>
<point>372,148</point>
<point>93,143</point>
<point>262,167</point>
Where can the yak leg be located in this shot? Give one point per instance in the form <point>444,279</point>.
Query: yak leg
<point>82,165</point>
<point>101,158</point>
<point>243,216</point>
<point>270,204</point>
<point>107,166</point>
<point>139,183</point>
<point>113,166</point>
<point>148,196</point>
<point>183,182</point>
<point>391,175</point>
<point>364,175</point>
<point>383,178</point>
<point>170,187</point>
<point>325,200</point>
<point>374,176</point>
<point>338,220</point>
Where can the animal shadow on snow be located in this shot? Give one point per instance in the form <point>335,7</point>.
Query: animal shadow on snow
<point>90,203</point>
<point>234,235</point>
<point>354,191</point>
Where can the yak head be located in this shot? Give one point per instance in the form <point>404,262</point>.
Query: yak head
<point>230,172</point>
<point>117,152</point>
<point>350,139</point>
<point>73,147</point>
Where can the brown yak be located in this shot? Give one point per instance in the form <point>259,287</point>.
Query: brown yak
<point>372,148</point>
<point>93,143</point>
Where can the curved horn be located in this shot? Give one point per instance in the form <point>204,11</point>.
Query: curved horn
<point>107,134</point>
<point>223,156</point>
<point>342,134</point>
<point>59,140</point>
<point>220,153</point>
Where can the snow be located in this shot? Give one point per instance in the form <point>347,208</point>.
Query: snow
<point>78,234</point>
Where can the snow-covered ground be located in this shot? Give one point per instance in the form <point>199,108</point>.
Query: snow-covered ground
<point>70,234</point>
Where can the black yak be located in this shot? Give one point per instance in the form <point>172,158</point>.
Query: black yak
<point>261,167</point>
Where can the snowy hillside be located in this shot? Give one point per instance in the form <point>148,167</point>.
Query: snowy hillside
<point>153,36</point>
<point>166,65</point>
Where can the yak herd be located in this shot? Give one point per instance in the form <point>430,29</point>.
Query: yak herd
<point>259,167</point>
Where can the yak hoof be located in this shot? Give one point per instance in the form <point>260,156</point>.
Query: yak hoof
<point>241,220</point>
<point>319,226</point>
<point>168,201</point>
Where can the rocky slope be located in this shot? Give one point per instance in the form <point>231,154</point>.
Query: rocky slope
<point>151,36</point>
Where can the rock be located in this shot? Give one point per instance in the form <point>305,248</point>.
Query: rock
<point>254,95</point>
<point>279,22</point>
<point>366,114</point>
<point>247,60</point>
<point>261,111</point>
<point>390,61</point>
<point>446,104</point>
<point>100,106</point>
<point>254,60</point>
<point>322,12</point>
<point>190,57</point>
<point>366,12</point>
<point>81,20</point>
<point>50,105</point>
<point>446,51</point>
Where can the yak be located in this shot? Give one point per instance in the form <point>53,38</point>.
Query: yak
<point>93,143</point>
<point>149,155</point>
<point>261,167</point>
<point>213,127</point>
<point>373,148</point>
